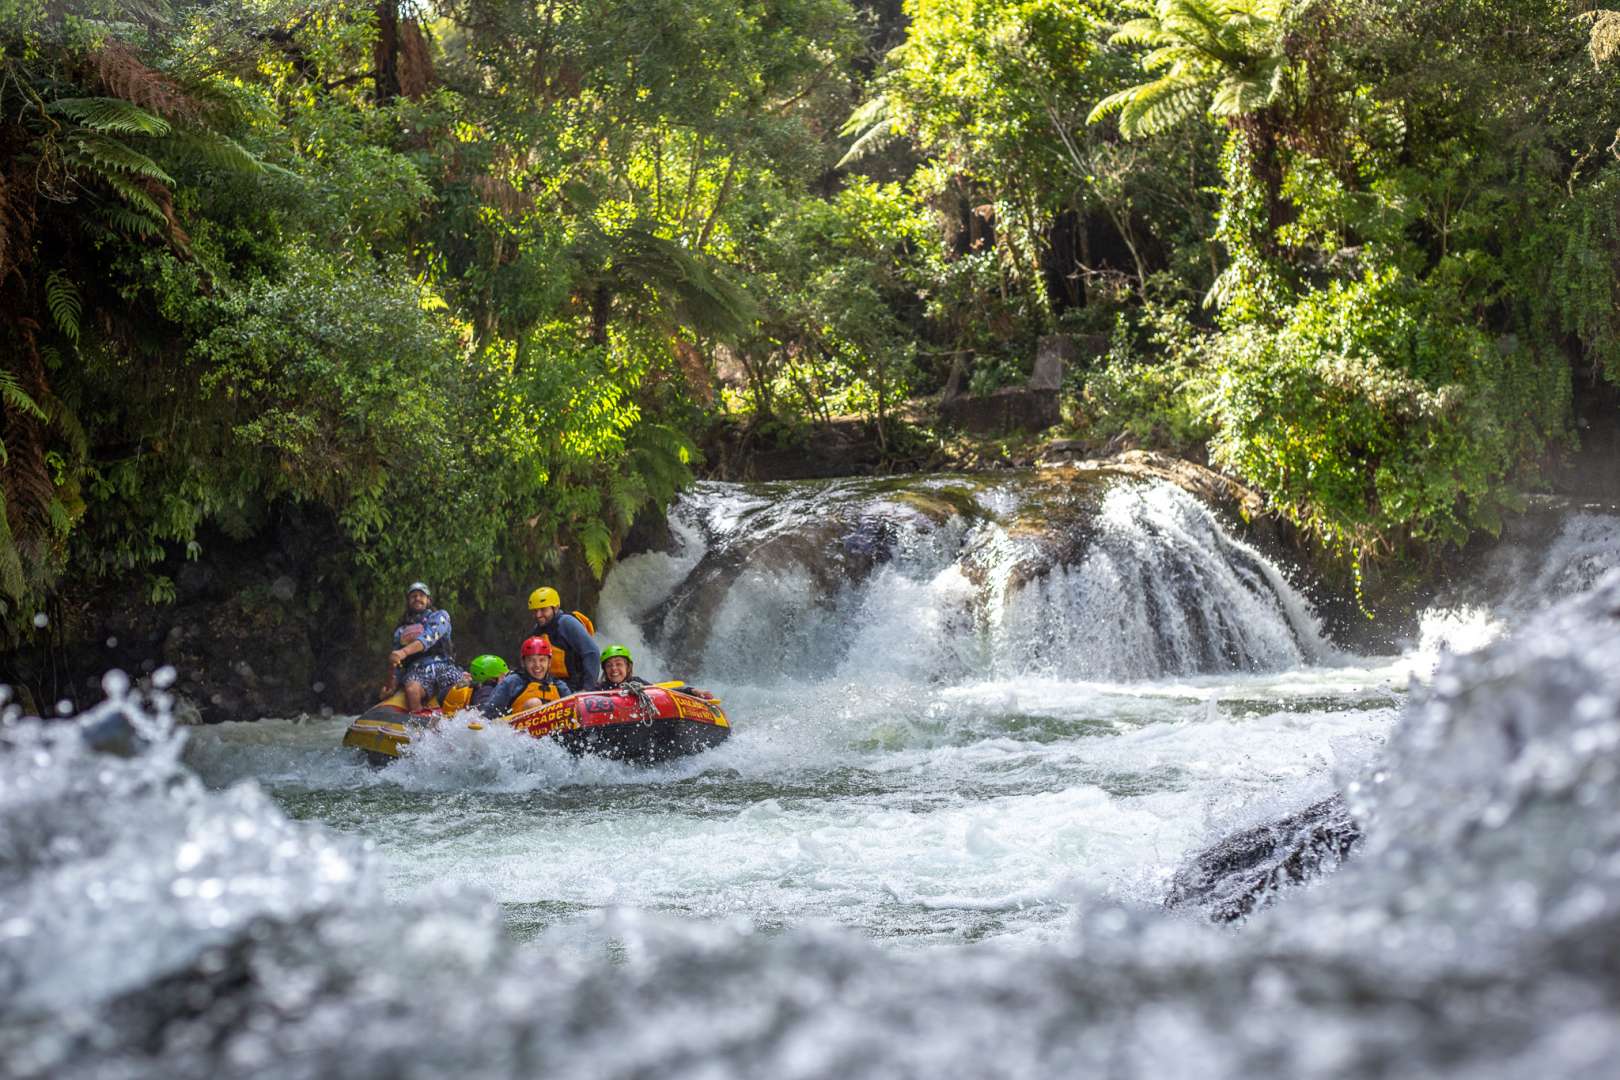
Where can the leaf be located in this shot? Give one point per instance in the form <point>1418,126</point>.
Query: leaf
<point>110,114</point>
<point>62,298</point>
<point>598,545</point>
<point>108,156</point>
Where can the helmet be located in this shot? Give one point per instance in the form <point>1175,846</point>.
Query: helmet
<point>545,596</point>
<point>617,650</point>
<point>487,667</point>
<point>536,646</point>
<point>417,586</point>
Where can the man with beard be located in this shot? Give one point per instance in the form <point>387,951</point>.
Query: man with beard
<point>422,657</point>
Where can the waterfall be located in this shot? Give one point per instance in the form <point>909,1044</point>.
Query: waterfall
<point>858,581</point>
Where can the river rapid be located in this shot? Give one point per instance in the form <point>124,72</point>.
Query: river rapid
<point>979,726</point>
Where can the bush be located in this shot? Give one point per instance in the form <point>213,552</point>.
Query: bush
<point>1375,414</point>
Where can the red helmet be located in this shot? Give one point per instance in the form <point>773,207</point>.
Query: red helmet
<point>536,646</point>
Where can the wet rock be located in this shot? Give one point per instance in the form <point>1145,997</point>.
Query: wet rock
<point>1244,872</point>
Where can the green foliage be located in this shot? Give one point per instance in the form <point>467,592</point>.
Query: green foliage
<point>470,318</point>
<point>1374,414</point>
<point>1223,52</point>
<point>1154,384</point>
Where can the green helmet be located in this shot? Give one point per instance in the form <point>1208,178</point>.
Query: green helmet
<point>487,667</point>
<point>617,650</point>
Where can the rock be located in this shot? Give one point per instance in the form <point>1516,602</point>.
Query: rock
<point>958,375</point>
<point>1244,872</point>
<point>1054,355</point>
<point>1059,450</point>
<point>1015,408</point>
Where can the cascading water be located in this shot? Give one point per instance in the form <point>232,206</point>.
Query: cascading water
<point>968,736</point>
<point>851,580</point>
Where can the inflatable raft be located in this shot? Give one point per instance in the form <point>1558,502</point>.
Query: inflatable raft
<point>646,725</point>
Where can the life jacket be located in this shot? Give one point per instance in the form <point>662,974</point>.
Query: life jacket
<point>536,693</point>
<point>457,698</point>
<point>559,655</point>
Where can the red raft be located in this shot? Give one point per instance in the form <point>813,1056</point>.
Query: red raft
<point>646,725</point>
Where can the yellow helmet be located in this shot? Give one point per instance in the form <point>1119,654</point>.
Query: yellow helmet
<point>545,596</point>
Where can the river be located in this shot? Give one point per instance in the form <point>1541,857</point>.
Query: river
<point>979,726</point>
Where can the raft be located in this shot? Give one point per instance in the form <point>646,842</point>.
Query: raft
<point>646,726</point>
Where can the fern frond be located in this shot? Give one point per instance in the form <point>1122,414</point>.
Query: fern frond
<point>108,156</point>
<point>12,581</point>
<point>138,198</point>
<point>598,544</point>
<point>218,152</point>
<point>126,220</point>
<point>873,126</point>
<point>62,298</point>
<point>110,114</point>
<point>57,414</point>
<point>12,393</point>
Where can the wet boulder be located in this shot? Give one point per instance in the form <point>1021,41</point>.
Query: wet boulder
<point>1245,871</point>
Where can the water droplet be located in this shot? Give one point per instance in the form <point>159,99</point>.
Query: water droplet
<point>41,620</point>
<point>115,684</point>
<point>112,641</point>
<point>64,707</point>
<point>163,677</point>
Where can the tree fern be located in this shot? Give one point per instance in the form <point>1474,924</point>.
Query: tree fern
<point>1225,52</point>
<point>62,298</point>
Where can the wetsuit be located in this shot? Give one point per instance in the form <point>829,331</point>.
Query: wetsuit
<point>581,655</point>
<point>434,668</point>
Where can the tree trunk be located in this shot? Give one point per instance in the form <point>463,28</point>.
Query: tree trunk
<point>387,51</point>
<point>601,306</point>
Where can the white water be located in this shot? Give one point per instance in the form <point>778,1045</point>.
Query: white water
<point>1027,784</point>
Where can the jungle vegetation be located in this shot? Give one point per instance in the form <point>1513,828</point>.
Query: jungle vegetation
<point>466,276</point>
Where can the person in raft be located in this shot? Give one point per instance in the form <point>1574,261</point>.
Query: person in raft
<point>488,672</point>
<point>618,670</point>
<point>534,685</point>
<point>575,656</point>
<point>618,673</point>
<point>422,658</point>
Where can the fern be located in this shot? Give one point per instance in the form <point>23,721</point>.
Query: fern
<point>598,545</point>
<point>219,152</point>
<point>12,581</point>
<point>62,298</point>
<point>12,393</point>
<point>874,128</point>
<point>108,157</point>
<point>138,198</point>
<point>129,221</point>
<point>110,114</point>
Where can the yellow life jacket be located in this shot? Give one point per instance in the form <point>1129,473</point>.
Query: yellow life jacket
<point>559,655</point>
<point>535,694</point>
<point>457,698</point>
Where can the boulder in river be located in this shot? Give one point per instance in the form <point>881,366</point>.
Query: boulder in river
<point>1245,871</point>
